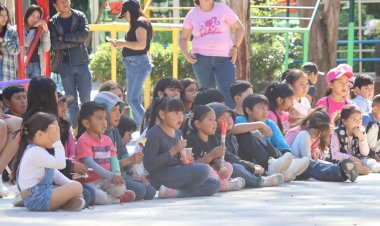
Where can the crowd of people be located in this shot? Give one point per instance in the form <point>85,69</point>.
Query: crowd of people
<point>198,137</point>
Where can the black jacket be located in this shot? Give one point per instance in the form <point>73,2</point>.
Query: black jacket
<point>72,43</point>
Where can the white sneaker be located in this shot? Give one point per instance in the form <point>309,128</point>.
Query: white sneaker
<point>3,190</point>
<point>235,184</point>
<point>279,165</point>
<point>297,167</point>
<point>18,202</point>
<point>272,180</point>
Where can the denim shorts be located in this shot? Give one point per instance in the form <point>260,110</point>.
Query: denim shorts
<point>39,198</point>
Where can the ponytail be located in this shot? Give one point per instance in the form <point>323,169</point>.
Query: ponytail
<point>198,113</point>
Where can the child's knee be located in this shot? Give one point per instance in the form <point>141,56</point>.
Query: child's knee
<point>202,170</point>
<point>76,188</point>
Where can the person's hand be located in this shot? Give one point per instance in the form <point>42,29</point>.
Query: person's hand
<point>117,180</point>
<point>181,144</point>
<point>358,133</point>
<point>41,23</point>
<point>234,54</point>
<point>190,58</point>
<point>53,132</point>
<point>79,168</point>
<point>117,43</point>
<point>136,158</point>
<point>295,114</point>
<point>265,130</point>
<point>259,170</point>
<point>217,152</point>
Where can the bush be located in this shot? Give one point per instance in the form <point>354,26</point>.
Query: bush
<point>162,60</point>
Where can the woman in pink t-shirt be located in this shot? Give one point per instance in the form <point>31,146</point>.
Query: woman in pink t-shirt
<point>214,52</point>
<point>338,80</point>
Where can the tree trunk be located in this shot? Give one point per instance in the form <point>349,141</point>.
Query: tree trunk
<point>323,37</point>
<point>241,8</point>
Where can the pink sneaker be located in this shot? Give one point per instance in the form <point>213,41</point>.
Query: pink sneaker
<point>165,192</point>
<point>128,196</point>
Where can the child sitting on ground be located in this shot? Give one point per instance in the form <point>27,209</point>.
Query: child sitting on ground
<point>364,89</point>
<point>36,170</point>
<point>311,69</point>
<point>162,155</point>
<point>371,121</point>
<point>250,172</point>
<point>297,79</point>
<point>338,81</point>
<point>15,100</point>
<point>189,90</point>
<point>113,106</point>
<point>349,140</point>
<point>201,126</point>
<point>97,152</point>
<point>239,90</point>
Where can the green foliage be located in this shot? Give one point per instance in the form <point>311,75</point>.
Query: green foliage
<point>100,65</point>
<point>161,57</point>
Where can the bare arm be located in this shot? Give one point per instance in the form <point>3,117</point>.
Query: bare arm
<point>140,44</point>
<point>251,126</point>
<point>183,40</point>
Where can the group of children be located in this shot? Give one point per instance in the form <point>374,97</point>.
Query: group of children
<point>267,140</point>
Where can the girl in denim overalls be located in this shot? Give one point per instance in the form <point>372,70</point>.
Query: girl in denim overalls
<point>37,169</point>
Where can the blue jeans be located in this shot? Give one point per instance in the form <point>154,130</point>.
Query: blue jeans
<point>76,78</point>
<point>323,171</point>
<point>251,180</point>
<point>33,70</point>
<point>141,191</point>
<point>191,180</point>
<point>138,69</point>
<point>215,72</point>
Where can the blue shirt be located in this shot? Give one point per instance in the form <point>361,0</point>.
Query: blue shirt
<point>367,118</point>
<point>277,140</point>
<point>363,104</point>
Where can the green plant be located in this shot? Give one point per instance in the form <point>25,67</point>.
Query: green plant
<point>100,65</point>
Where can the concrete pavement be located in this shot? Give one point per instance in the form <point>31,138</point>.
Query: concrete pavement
<point>296,203</point>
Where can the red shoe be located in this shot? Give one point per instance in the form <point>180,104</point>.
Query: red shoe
<point>128,196</point>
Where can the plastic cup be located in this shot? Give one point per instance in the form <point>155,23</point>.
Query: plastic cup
<point>186,155</point>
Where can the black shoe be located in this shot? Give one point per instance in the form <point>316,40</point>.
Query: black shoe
<point>349,169</point>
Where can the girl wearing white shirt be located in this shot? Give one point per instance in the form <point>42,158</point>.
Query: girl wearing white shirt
<point>36,170</point>
<point>298,80</point>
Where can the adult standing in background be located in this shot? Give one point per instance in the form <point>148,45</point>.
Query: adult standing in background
<point>135,58</point>
<point>32,20</point>
<point>214,50</point>
<point>69,31</point>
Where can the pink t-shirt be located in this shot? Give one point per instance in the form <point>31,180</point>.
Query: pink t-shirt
<point>211,30</point>
<point>332,107</point>
<point>100,149</point>
<point>284,117</point>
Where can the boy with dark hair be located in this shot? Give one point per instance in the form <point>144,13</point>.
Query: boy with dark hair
<point>208,95</point>
<point>15,100</point>
<point>364,86</point>
<point>311,69</point>
<point>371,121</point>
<point>256,109</point>
<point>239,90</point>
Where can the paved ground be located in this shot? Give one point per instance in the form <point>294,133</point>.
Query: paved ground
<point>297,203</point>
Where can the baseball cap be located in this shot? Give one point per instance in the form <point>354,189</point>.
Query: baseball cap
<point>64,98</point>
<point>128,5</point>
<point>311,67</point>
<point>339,71</point>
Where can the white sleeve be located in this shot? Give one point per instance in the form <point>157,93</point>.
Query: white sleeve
<point>60,179</point>
<point>58,161</point>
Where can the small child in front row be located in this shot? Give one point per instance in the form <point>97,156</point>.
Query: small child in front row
<point>349,140</point>
<point>96,151</point>
<point>250,172</point>
<point>298,80</point>
<point>371,121</point>
<point>364,89</point>
<point>36,170</point>
<point>201,138</point>
<point>162,155</point>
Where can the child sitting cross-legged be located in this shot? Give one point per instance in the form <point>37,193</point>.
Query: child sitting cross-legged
<point>371,121</point>
<point>97,152</point>
<point>201,125</point>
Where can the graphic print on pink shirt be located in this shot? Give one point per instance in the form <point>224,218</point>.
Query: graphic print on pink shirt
<point>210,27</point>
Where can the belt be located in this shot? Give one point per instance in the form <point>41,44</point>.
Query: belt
<point>25,193</point>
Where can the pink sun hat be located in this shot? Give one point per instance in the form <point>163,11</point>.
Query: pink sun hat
<point>339,71</point>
